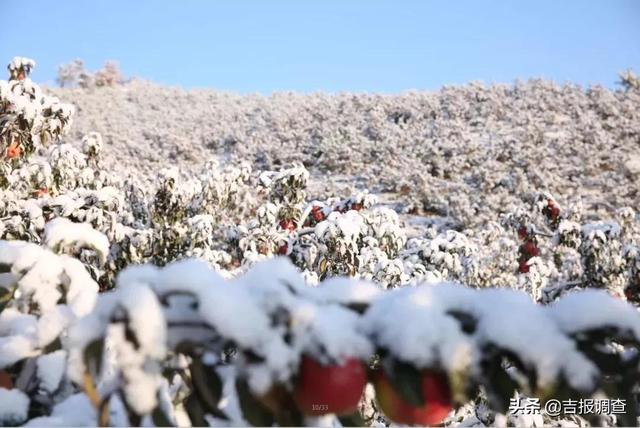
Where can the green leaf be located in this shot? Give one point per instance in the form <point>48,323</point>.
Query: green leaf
<point>135,420</point>
<point>467,321</point>
<point>185,347</point>
<point>564,391</point>
<point>593,419</point>
<point>323,266</point>
<point>352,420</point>
<point>591,342</point>
<point>280,401</point>
<point>501,386</point>
<point>208,385</point>
<point>195,411</point>
<point>630,417</point>
<point>252,410</point>
<point>360,308</point>
<point>623,390</point>
<point>55,345</point>
<point>406,380</point>
<point>93,355</point>
<point>160,419</point>
<point>5,297</point>
<point>610,364</point>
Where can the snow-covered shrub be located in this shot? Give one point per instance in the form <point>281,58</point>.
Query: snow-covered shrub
<point>591,254</point>
<point>28,118</point>
<point>629,80</point>
<point>172,332</point>
<point>41,295</point>
<point>20,68</point>
<point>62,181</point>
<point>109,75</point>
<point>74,74</point>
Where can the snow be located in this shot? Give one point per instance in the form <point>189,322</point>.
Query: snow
<point>530,333</point>
<point>74,411</point>
<point>141,390</point>
<point>330,331</point>
<point>20,62</point>
<point>267,178</point>
<point>145,274</point>
<point>348,225</point>
<point>567,226</point>
<point>51,369</point>
<point>273,282</point>
<point>343,290</point>
<point>61,232</point>
<point>169,175</point>
<point>591,309</point>
<point>52,323</point>
<point>41,278</point>
<point>136,363</point>
<point>80,334</point>
<point>252,330</point>
<point>601,230</point>
<point>259,294</point>
<point>18,253</point>
<point>67,203</point>
<point>189,275</point>
<point>145,318</point>
<point>92,143</point>
<point>14,349</point>
<point>633,165</point>
<point>413,324</point>
<point>14,405</point>
<point>82,290</point>
<point>14,322</point>
<point>40,273</point>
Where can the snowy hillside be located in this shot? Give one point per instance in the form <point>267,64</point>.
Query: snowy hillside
<point>467,152</point>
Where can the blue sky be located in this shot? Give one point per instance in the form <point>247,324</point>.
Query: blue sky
<point>329,45</point>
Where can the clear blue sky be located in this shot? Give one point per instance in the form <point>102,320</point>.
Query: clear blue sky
<point>330,45</point>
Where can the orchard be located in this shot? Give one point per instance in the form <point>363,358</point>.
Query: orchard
<point>230,297</point>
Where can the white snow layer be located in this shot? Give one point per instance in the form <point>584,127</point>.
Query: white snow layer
<point>14,405</point>
<point>50,370</point>
<point>62,232</point>
<point>590,309</point>
<point>413,324</point>
<point>40,273</point>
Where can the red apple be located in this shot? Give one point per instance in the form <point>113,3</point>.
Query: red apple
<point>289,225</point>
<point>13,151</point>
<point>523,232</point>
<point>317,214</point>
<point>524,267</point>
<point>552,210</point>
<point>282,250</point>
<point>41,192</point>
<point>435,392</point>
<point>5,380</point>
<point>335,389</point>
<point>530,249</point>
